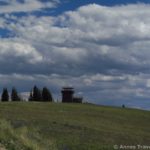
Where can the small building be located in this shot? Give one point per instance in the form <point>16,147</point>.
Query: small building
<point>77,99</point>
<point>67,96</point>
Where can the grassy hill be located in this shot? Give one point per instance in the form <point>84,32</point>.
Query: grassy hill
<point>49,126</point>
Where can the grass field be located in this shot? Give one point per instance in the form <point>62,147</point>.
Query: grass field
<point>52,126</point>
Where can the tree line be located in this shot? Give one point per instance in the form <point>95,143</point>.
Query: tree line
<point>36,94</point>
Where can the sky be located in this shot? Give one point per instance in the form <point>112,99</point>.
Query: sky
<point>99,47</point>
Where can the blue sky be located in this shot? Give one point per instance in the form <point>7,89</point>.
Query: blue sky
<point>101,48</point>
<point>72,4</point>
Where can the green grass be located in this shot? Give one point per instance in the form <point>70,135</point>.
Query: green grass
<point>52,126</point>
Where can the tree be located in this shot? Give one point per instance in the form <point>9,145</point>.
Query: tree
<point>14,95</point>
<point>30,96</point>
<point>123,106</point>
<point>5,95</point>
<point>46,95</point>
<point>37,94</point>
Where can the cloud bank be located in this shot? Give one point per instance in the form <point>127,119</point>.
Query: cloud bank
<point>101,51</point>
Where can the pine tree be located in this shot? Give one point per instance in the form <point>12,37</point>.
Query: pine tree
<point>30,96</point>
<point>46,95</point>
<point>14,95</point>
<point>37,94</point>
<point>5,95</point>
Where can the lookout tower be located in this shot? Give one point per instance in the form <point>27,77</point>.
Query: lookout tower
<point>67,94</point>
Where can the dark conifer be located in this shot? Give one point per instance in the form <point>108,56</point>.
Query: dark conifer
<point>5,95</point>
<point>30,96</point>
<point>14,95</point>
<point>46,95</point>
<point>123,106</point>
<point>37,94</point>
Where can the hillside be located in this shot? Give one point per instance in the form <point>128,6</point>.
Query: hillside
<point>49,126</point>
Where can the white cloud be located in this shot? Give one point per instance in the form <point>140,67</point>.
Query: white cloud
<point>27,6</point>
<point>118,33</point>
<point>17,49</point>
